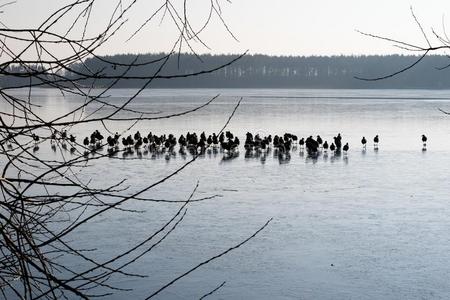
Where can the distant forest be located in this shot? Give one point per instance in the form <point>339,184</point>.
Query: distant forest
<point>262,71</point>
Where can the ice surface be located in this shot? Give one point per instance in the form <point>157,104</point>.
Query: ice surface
<point>373,225</point>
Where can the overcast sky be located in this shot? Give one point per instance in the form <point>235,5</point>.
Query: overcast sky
<point>283,27</point>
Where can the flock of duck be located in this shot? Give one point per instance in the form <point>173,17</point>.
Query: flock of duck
<point>198,144</point>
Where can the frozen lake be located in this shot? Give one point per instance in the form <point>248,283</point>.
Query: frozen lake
<point>371,225</point>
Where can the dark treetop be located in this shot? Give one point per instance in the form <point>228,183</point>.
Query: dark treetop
<point>262,71</point>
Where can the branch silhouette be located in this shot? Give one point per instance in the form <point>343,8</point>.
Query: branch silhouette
<point>44,201</point>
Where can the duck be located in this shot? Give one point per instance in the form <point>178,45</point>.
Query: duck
<point>345,148</point>
<point>319,140</point>
<point>332,147</point>
<point>364,142</point>
<point>424,140</point>
<point>301,142</point>
<point>35,138</point>
<point>337,141</point>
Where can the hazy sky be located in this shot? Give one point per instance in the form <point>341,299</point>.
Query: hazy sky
<point>284,27</point>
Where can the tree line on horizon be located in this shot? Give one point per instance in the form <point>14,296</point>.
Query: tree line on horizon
<point>261,71</point>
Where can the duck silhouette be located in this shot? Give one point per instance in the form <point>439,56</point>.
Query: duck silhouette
<point>319,140</point>
<point>364,142</point>
<point>302,142</point>
<point>338,142</point>
<point>35,138</point>
<point>345,148</point>
<point>332,147</point>
<point>424,140</point>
